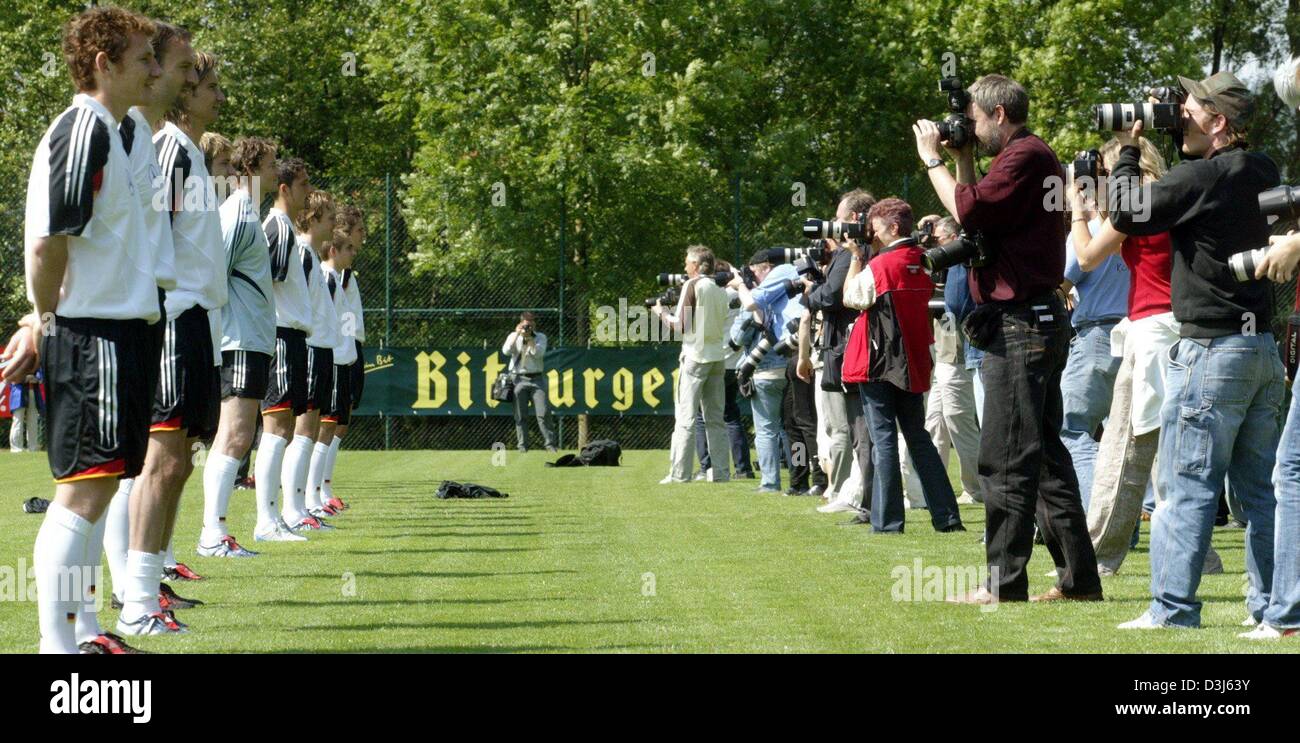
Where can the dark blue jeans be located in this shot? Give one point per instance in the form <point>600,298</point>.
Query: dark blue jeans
<point>1025,469</point>
<point>890,410</point>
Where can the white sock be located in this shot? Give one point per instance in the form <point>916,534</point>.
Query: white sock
<point>293,480</point>
<point>316,474</point>
<point>327,485</point>
<point>87,622</point>
<point>143,574</point>
<point>60,545</point>
<point>266,474</point>
<point>218,483</point>
<point>117,534</point>
<point>168,554</point>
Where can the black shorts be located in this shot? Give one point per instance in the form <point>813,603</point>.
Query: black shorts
<point>287,387</point>
<point>245,374</point>
<point>188,390</point>
<point>320,377</point>
<point>358,377</point>
<point>97,397</point>
<point>339,409</point>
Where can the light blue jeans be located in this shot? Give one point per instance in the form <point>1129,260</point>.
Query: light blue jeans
<point>1284,607</point>
<point>1087,385</point>
<point>766,403</point>
<point>1221,416</point>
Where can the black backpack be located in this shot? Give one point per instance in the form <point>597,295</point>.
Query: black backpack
<point>452,489</point>
<point>599,453</point>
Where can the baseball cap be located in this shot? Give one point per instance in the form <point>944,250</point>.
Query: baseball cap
<point>1226,93</point>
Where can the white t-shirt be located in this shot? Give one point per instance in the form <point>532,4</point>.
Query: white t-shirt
<point>324,320</point>
<point>290,275</point>
<point>341,287</point>
<point>81,186</point>
<point>137,138</point>
<point>188,196</point>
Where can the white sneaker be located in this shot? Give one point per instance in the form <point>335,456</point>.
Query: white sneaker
<point>1262,632</point>
<point>965,499</point>
<point>1249,621</point>
<point>277,532</point>
<point>1146,621</point>
<point>670,481</point>
<point>837,506</point>
<point>227,547</point>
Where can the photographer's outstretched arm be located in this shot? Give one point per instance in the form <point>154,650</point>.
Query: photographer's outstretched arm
<point>1138,208</point>
<point>929,149</point>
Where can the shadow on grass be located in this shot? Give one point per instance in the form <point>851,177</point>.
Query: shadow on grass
<point>490,625</point>
<point>357,603</point>
<point>440,550</point>
<point>373,574</point>
<point>476,649</point>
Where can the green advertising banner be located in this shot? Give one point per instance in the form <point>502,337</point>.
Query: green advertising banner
<point>638,380</point>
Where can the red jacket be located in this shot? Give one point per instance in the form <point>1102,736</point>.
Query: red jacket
<point>890,341</point>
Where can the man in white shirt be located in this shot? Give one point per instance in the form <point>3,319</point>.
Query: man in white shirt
<point>315,225</point>
<point>701,318</point>
<point>526,349</point>
<point>84,222</point>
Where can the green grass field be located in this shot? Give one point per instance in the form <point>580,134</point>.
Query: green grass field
<point>604,560</point>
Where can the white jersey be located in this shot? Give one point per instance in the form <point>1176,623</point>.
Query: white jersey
<point>324,321</point>
<point>248,319</point>
<point>354,289</point>
<point>188,196</point>
<point>342,288</point>
<point>81,186</point>
<point>291,277</point>
<point>137,139</point>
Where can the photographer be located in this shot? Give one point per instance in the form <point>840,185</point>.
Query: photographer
<point>767,306</point>
<point>701,318</point>
<point>1281,617</point>
<point>526,348</point>
<point>742,467</point>
<point>1224,385</point>
<point>1021,325</point>
<point>889,357</point>
<point>842,416</point>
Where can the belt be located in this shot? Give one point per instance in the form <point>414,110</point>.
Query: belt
<point>1097,323</point>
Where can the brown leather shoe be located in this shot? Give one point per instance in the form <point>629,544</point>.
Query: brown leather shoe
<point>981,596</point>
<point>1056,594</point>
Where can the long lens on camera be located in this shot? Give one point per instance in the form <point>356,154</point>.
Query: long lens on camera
<point>1243,264</point>
<point>1280,202</point>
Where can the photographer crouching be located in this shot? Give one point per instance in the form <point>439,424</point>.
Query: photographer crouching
<point>1022,326</point>
<point>701,319</point>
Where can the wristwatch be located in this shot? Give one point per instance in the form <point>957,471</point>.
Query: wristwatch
<point>933,162</point>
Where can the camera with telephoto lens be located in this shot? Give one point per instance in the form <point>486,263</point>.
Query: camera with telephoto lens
<point>766,344</point>
<point>1120,117</point>
<point>815,229</point>
<point>721,278</point>
<point>1282,202</point>
<point>668,299</point>
<point>1275,203</point>
<point>749,324</point>
<point>969,248</point>
<point>957,128</point>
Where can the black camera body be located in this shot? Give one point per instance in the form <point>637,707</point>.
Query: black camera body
<point>957,128</point>
<point>669,298</point>
<point>1086,164</point>
<point>969,248</point>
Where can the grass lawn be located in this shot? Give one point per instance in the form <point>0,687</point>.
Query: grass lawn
<point>604,560</point>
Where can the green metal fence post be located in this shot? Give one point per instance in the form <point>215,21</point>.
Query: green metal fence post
<point>388,285</point>
<point>564,252</point>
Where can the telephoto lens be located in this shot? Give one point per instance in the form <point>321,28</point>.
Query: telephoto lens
<point>1243,264</point>
<point>751,361</point>
<point>961,249</point>
<point>790,342</point>
<point>1280,202</point>
<point>1120,117</point>
<point>814,229</point>
<point>672,279</point>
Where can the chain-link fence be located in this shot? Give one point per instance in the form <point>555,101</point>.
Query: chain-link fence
<point>406,307</point>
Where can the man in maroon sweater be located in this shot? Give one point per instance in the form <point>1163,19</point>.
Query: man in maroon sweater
<point>1025,469</point>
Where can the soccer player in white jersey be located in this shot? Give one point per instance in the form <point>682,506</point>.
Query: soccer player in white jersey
<point>186,404</point>
<point>171,46</point>
<point>247,345</point>
<point>315,225</point>
<point>84,222</point>
<point>340,280</point>
<point>286,396</point>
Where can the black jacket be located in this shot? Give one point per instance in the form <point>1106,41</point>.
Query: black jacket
<point>1210,208</point>
<point>828,297</point>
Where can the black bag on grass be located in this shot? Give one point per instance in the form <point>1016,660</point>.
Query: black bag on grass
<point>451,489</point>
<point>599,453</point>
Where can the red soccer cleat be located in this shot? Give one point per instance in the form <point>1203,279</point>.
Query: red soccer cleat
<point>337,504</point>
<point>180,571</point>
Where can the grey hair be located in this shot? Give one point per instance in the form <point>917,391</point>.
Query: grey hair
<point>702,256</point>
<point>992,91</point>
